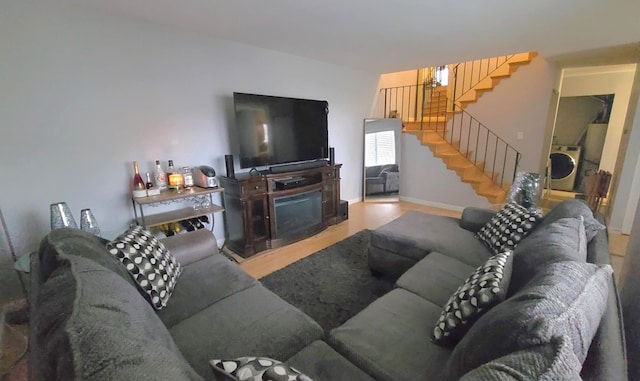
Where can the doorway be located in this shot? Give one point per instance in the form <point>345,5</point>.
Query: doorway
<point>578,141</point>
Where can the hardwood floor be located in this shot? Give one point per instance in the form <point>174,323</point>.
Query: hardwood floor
<point>362,215</point>
<point>370,215</point>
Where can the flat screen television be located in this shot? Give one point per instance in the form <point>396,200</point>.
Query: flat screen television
<point>275,130</point>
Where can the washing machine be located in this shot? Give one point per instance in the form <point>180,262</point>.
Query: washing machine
<point>564,167</point>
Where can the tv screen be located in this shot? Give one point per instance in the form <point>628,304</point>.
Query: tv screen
<point>277,130</point>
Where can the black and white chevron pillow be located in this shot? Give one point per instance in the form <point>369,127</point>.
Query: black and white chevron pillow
<point>485,288</point>
<point>508,227</point>
<point>154,269</point>
<point>255,369</point>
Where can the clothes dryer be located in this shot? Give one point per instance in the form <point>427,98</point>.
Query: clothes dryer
<point>564,167</point>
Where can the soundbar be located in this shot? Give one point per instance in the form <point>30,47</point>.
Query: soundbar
<point>293,182</point>
<point>298,166</point>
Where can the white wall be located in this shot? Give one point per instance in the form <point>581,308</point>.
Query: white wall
<point>84,94</point>
<point>425,179</point>
<point>520,103</point>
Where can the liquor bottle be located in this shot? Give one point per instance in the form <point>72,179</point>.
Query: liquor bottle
<point>151,189</point>
<point>160,177</point>
<point>139,189</point>
<point>148,184</point>
<point>188,177</point>
<point>174,177</point>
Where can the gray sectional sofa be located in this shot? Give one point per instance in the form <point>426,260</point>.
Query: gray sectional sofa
<point>88,320</point>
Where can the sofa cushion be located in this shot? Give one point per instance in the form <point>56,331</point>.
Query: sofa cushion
<point>566,300</point>
<point>484,288</point>
<point>474,219</point>
<point>81,332</point>
<point>562,240</point>
<point>151,265</point>
<point>321,362</point>
<point>550,361</point>
<point>415,234</point>
<point>255,368</point>
<point>508,227</point>
<point>435,277</point>
<point>67,241</point>
<point>202,284</point>
<point>388,339</point>
<point>254,318</point>
<point>574,208</point>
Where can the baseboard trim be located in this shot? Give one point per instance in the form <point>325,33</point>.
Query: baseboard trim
<point>455,208</point>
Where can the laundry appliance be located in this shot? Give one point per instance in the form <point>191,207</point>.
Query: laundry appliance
<point>564,166</point>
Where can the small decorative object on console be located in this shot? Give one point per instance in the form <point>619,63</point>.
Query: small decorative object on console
<point>88,222</point>
<point>61,216</point>
<point>526,189</point>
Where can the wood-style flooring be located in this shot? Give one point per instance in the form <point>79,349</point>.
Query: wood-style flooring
<point>370,215</point>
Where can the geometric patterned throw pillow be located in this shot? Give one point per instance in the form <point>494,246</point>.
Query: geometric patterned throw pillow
<point>154,269</point>
<point>255,369</point>
<point>508,227</point>
<point>485,288</point>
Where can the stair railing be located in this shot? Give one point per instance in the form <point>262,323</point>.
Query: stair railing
<point>466,75</point>
<point>488,152</point>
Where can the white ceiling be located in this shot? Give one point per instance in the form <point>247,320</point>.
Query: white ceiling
<point>388,36</point>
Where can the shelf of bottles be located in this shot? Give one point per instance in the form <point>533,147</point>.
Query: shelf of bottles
<point>168,189</point>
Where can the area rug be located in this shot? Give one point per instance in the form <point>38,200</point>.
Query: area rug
<point>333,284</point>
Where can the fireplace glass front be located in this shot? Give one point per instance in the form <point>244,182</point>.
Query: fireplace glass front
<point>297,213</point>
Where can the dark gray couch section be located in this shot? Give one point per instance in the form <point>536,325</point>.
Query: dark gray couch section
<point>203,283</point>
<point>89,321</point>
<point>254,320</point>
<point>415,234</point>
<point>435,278</point>
<point>321,362</point>
<point>390,338</point>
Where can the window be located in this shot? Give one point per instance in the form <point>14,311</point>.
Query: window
<point>380,148</point>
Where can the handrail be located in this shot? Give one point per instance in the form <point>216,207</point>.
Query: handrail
<point>496,158</point>
<point>469,74</point>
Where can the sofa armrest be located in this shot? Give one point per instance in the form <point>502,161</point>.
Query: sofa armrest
<point>473,219</point>
<point>191,247</point>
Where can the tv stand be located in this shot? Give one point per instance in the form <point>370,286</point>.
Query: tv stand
<point>271,210</point>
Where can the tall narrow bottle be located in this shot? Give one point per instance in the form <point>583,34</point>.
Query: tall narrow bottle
<point>160,177</point>
<point>139,188</point>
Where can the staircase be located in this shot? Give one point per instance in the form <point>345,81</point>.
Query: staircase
<point>478,156</point>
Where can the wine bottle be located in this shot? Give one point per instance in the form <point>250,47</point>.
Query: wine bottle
<point>196,222</point>
<point>160,177</point>
<point>188,225</point>
<point>174,177</point>
<point>139,189</point>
